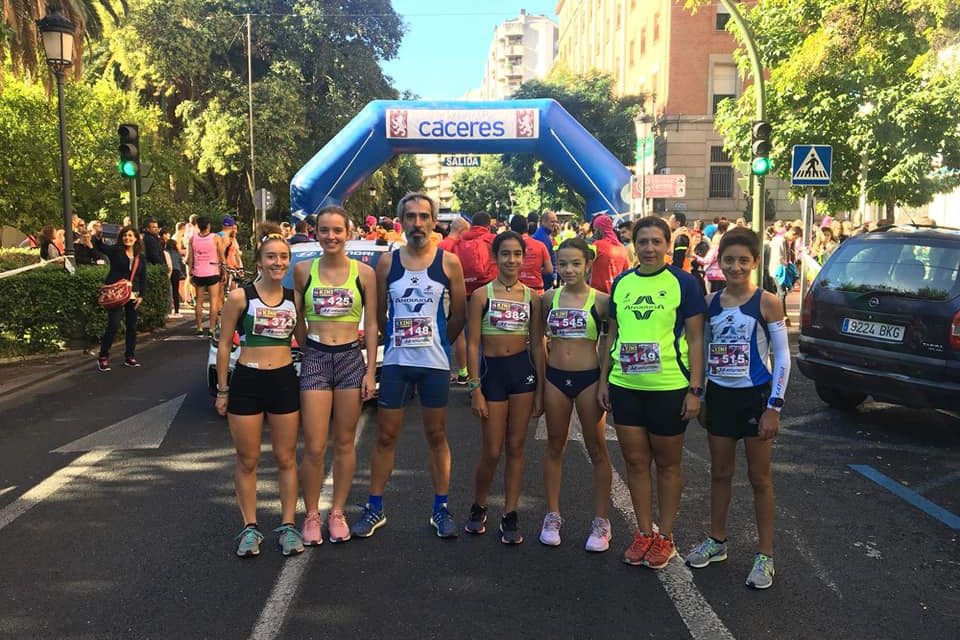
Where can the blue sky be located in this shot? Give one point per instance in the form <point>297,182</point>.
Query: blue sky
<point>444,50</point>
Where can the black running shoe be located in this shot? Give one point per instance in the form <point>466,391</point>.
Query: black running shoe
<point>477,523</point>
<point>510,529</point>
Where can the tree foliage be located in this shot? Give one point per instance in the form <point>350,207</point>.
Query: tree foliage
<point>872,79</point>
<point>592,101</point>
<point>479,189</point>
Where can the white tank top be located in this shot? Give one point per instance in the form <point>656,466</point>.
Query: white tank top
<point>416,331</point>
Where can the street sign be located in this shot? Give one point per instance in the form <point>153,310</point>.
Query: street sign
<point>663,186</point>
<point>812,165</point>
<point>263,200</point>
<point>461,161</point>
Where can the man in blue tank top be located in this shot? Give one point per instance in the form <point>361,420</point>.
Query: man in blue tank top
<point>411,285</point>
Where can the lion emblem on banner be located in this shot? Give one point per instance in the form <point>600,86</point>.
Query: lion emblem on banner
<point>526,123</point>
<point>397,123</point>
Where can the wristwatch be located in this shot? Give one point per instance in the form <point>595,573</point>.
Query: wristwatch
<point>775,403</point>
<point>697,391</point>
<point>473,384</point>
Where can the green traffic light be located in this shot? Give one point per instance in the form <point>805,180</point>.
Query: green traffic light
<point>128,168</point>
<point>761,166</point>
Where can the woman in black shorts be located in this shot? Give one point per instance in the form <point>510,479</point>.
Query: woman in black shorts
<point>264,382</point>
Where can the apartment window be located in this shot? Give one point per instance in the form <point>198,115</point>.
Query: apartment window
<point>721,173</point>
<point>643,40</point>
<point>656,27</point>
<point>723,16</point>
<point>617,18</point>
<point>723,79</point>
<point>631,59</point>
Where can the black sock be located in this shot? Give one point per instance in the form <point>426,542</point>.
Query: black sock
<point>724,541</point>
<point>252,524</point>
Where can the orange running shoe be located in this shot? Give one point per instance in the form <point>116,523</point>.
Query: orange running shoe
<point>661,552</point>
<point>639,548</point>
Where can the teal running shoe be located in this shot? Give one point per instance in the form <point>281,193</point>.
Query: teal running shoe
<point>706,552</point>
<point>289,540</point>
<point>250,539</point>
<point>761,576</point>
<point>370,521</point>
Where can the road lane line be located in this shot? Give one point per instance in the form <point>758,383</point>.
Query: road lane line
<point>701,620</point>
<point>932,509</point>
<point>274,613</point>
<point>7,490</point>
<point>56,481</point>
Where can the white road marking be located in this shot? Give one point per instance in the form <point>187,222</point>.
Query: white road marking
<point>575,434</point>
<point>59,479</point>
<point>697,614</point>
<point>7,490</point>
<point>270,622</point>
<point>145,430</point>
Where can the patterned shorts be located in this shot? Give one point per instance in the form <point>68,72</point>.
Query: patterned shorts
<point>330,367</point>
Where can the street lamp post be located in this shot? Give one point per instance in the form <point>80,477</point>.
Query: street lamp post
<point>642,125</point>
<point>57,34</point>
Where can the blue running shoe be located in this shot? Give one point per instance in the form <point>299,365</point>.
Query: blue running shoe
<point>370,521</point>
<point>249,539</point>
<point>442,521</point>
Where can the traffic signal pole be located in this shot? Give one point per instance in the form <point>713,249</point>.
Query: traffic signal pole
<point>759,194</point>
<point>133,204</point>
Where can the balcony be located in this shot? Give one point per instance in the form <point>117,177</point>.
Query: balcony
<point>513,51</point>
<point>511,29</point>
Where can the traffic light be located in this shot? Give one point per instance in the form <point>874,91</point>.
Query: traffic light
<point>129,150</point>
<point>760,134</point>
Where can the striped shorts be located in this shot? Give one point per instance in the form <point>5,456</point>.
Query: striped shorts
<point>331,367</point>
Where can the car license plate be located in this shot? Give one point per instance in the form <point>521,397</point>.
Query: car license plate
<point>872,330</point>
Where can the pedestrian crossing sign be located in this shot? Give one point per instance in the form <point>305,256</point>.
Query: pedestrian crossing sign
<point>812,165</point>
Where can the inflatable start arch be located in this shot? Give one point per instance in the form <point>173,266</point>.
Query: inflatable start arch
<point>386,128</point>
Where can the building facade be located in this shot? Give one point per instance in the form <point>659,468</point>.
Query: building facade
<point>522,49</point>
<point>684,65</point>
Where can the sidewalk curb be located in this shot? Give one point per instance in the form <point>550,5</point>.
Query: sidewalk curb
<point>66,362</point>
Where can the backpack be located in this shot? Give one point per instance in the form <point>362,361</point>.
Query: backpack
<point>476,257</point>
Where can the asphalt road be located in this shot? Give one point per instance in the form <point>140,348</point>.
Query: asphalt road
<point>138,543</point>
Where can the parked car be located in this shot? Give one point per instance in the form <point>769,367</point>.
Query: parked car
<point>882,319</point>
<point>366,251</point>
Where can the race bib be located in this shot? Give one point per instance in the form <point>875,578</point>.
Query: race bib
<point>332,302</point>
<point>508,315</point>
<point>730,360</point>
<point>640,357</point>
<point>274,323</point>
<point>413,332</point>
<point>568,323</point>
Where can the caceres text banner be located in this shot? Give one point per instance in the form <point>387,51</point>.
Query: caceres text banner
<point>463,124</point>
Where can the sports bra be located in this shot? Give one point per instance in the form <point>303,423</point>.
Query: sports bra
<point>262,325</point>
<point>333,303</point>
<point>505,317</point>
<point>573,322</point>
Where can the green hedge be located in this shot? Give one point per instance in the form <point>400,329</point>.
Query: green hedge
<point>46,309</point>
<point>14,258</point>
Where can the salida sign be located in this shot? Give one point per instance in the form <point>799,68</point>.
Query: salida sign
<point>463,124</point>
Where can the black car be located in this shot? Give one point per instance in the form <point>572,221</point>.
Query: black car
<point>882,319</point>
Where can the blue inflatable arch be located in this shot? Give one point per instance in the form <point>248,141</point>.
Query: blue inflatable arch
<point>385,128</point>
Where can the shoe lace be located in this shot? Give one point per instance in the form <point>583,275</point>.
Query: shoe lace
<point>552,522</point>
<point>442,514</point>
<point>600,528</point>
<point>313,518</point>
<point>370,516</point>
<point>337,517</point>
<point>761,563</point>
<point>288,534</point>
<point>249,535</point>
<point>477,512</point>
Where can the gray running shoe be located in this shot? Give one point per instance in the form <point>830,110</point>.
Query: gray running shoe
<point>250,539</point>
<point>289,540</point>
<point>761,576</point>
<point>442,520</point>
<point>706,552</point>
<point>369,522</point>
<point>477,523</point>
<point>510,529</point>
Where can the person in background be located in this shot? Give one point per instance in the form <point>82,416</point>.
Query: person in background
<point>624,230</point>
<point>781,255</point>
<point>476,253</point>
<point>612,258</point>
<point>458,227</point>
<point>533,222</point>
<point>126,263</point>
<point>682,254</point>
<point>177,271</point>
<point>537,268</point>
<point>48,243</point>
<point>152,244</point>
<point>204,257</point>
<point>711,228</point>
<point>711,262</point>
<point>301,233</point>
<point>549,226</point>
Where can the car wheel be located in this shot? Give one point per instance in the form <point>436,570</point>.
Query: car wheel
<point>839,399</point>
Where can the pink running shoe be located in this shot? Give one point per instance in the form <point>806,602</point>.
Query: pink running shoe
<point>311,530</point>
<point>337,526</point>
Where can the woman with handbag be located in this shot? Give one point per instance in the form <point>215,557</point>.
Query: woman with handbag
<point>122,293</point>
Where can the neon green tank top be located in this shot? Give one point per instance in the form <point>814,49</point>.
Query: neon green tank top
<point>330,302</point>
<point>573,322</point>
<point>506,317</point>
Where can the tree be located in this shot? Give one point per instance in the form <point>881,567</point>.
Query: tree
<point>865,78</point>
<point>591,100</point>
<point>479,189</point>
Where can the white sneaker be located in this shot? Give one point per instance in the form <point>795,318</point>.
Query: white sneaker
<point>600,535</point>
<point>550,533</point>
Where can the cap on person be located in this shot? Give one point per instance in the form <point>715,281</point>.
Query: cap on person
<point>229,222</point>
<point>371,222</point>
<point>826,222</point>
